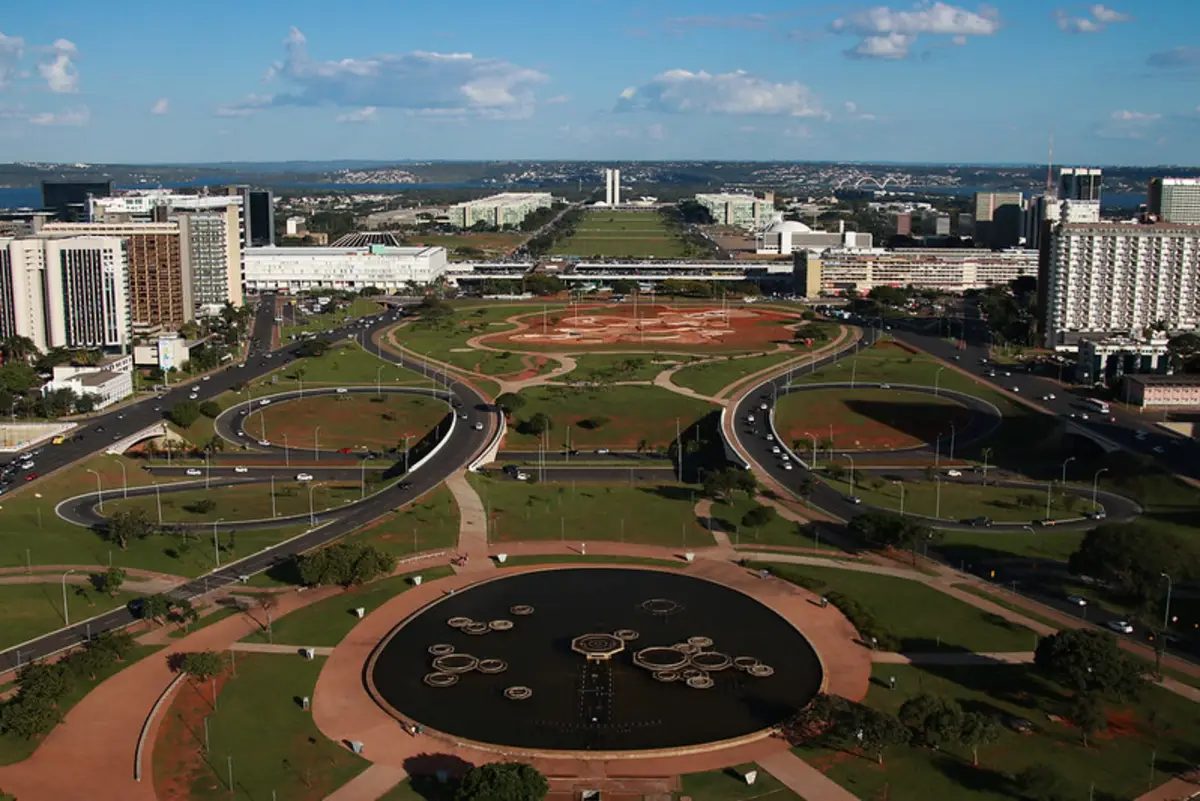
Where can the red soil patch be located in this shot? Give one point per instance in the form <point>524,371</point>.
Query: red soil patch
<point>897,420</point>
<point>350,421</point>
<point>615,327</point>
<point>179,748</point>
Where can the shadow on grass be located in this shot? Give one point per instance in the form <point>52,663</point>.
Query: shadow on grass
<point>435,777</point>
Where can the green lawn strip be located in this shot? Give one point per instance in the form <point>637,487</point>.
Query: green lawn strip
<point>31,610</point>
<point>274,744</point>
<point>919,617</point>
<point>634,413</point>
<point>612,234</point>
<point>320,323</point>
<point>344,364</point>
<point>867,418</point>
<point>625,367</point>
<point>962,501</point>
<point>217,616</point>
<point>429,524</point>
<point>712,377</point>
<point>326,622</point>
<point>447,342</point>
<point>730,785</point>
<point>1117,763</point>
<point>653,515</point>
<point>243,501</point>
<point>15,749</point>
<point>357,421</point>
<point>403,792</point>
<point>780,531</point>
<point>553,559</point>
<point>1000,600</point>
<point>1042,544</point>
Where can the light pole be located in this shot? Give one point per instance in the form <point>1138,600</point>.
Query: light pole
<point>813,440</point>
<point>853,372</point>
<point>362,478</point>
<point>273,513</point>
<point>1095,485</point>
<point>158,502</point>
<point>317,444</point>
<point>937,452</point>
<point>937,510</point>
<point>287,457</point>
<point>312,519</point>
<point>1066,462</point>
<point>1167,610</point>
<point>124,479</point>
<point>986,453</point>
<point>216,550</point>
<point>1049,490</point>
<point>936,379</point>
<point>66,611</point>
<point>207,470</point>
<point>953,434</point>
<point>900,484</point>
<point>407,437</point>
<point>852,485</point>
<point>99,490</point>
<point>378,372</point>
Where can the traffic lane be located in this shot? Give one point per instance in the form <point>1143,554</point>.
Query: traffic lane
<point>596,475</point>
<point>601,455</point>
<point>265,472</point>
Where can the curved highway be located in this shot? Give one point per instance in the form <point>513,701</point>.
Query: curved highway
<point>464,444</point>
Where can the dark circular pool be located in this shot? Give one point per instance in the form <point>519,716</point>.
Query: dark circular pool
<point>720,665</point>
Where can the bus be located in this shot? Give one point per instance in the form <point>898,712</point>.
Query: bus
<point>1096,405</point>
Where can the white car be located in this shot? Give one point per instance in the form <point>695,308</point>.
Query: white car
<point>1076,600</point>
<point>193,396</point>
<point>191,471</point>
<point>788,466</point>
<point>205,377</point>
<point>749,418</point>
<point>1051,396</point>
<point>602,451</point>
<point>775,449</point>
<point>762,406</point>
<point>304,477</point>
<point>342,390</point>
<point>1016,389</point>
<point>954,473</point>
<point>241,469</point>
<point>265,402</point>
<point>770,437</point>
<point>885,386</point>
<point>478,426</point>
<point>266,443</point>
<point>1120,626</point>
<point>784,457</point>
<point>1158,449</point>
<point>522,476</point>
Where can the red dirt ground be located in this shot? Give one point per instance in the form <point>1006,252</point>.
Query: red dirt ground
<point>349,423</point>
<point>615,327</point>
<point>179,748</point>
<point>924,418</point>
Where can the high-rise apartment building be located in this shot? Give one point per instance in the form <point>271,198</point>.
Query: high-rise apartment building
<point>1080,183</point>
<point>998,218</point>
<point>22,290</point>
<point>86,304</point>
<point>612,187</point>
<point>159,286</point>
<point>941,225</point>
<point>903,223</point>
<point>1175,200</point>
<point>212,256</point>
<point>742,211</point>
<point>71,200</point>
<point>1118,279</point>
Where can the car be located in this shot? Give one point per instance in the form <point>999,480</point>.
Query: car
<point>1083,416</point>
<point>1076,600</point>
<point>983,522</point>
<point>158,408</point>
<point>265,402</point>
<point>885,386</point>
<point>1016,389</point>
<point>1020,725</point>
<point>762,406</point>
<point>602,450</point>
<point>854,499</point>
<point>1158,449</point>
<point>205,377</point>
<point>266,443</point>
<point>775,449</point>
<point>1047,522</point>
<point>241,469</point>
<point>991,373</point>
<point>1047,397</point>
<point>788,466</point>
<point>1007,374</point>
<point>27,465</point>
<point>403,485</point>
<point>956,357</point>
<point>1099,514</point>
<point>749,418</point>
<point>99,429</point>
<point>954,473</point>
<point>342,390</point>
<point>192,471</point>
<point>462,415</point>
<point>1120,626</point>
<point>304,477</point>
<point>1051,396</point>
<point>478,426</point>
<point>121,416</point>
<point>770,437</point>
<point>522,476</point>
<point>31,476</point>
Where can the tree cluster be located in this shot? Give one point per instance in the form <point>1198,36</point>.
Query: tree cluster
<point>889,530</point>
<point>345,564</point>
<point>1087,662</point>
<point>939,722</point>
<point>313,348</point>
<point>124,526</point>
<point>505,781</point>
<point>837,722</point>
<point>726,483</point>
<point>1132,558</point>
<point>197,664</point>
<point>41,686</point>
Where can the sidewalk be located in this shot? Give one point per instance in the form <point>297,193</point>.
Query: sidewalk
<point>803,779</point>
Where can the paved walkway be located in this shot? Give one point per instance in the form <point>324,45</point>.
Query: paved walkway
<point>472,522</point>
<point>704,515</point>
<point>373,783</point>
<point>803,779</point>
<point>277,648</point>
<point>1174,790</point>
<point>141,586</point>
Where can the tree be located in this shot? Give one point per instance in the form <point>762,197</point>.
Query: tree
<point>198,664</point>
<point>313,347</point>
<point>933,721</point>
<point>17,349</point>
<point>623,286</point>
<point>1087,712</point>
<point>976,729</point>
<point>1090,662</point>
<point>889,530</point>
<point>210,409</point>
<point>1184,352</point>
<point>506,781</point>
<point>1132,557</point>
<point>112,580</point>
<point>43,680</point>
<point>85,404</point>
<point>155,608</point>
<point>123,526</point>
<point>184,413</point>
<point>725,483</point>
<point>538,424</point>
<point>345,563</point>
<point>183,613</point>
<point>1042,782</point>
<point>758,516</point>
<point>510,403</point>
<point>805,486</point>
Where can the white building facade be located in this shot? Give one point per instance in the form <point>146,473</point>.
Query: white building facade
<point>23,290</point>
<point>212,255</point>
<point>107,383</point>
<point>386,268</point>
<point>740,211</point>
<point>947,270</point>
<point>612,187</point>
<point>505,209</point>
<point>1120,279</point>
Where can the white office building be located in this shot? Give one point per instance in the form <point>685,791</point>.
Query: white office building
<point>741,211</point>
<point>387,268</point>
<point>212,257</point>
<point>23,290</point>
<point>1045,211</point>
<point>947,270</point>
<point>784,237</point>
<point>1175,200</point>
<point>1118,279</point>
<point>108,382</point>
<point>508,209</point>
<point>612,187</point>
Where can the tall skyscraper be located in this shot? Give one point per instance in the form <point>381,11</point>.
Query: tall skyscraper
<point>612,186</point>
<point>998,218</point>
<point>71,200</point>
<point>22,290</point>
<point>85,297</point>
<point>212,256</point>
<point>1175,200</point>
<point>258,216</point>
<point>1080,183</point>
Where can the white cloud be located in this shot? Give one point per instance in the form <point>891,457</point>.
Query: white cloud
<point>368,114</point>
<point>742,21</point>
<point>1127,124</point>
<point>161,108</point>
<point>68,118</point>
<point>1134,116</point>
<point>885,33</point>
<point>558,99</point>
<point>61,74</point>
<point>1101,17</point>
<point>683,92</point>
<point>854,113</point>
<point>12,50</point>
<point>244,108</point>
<point>418,81</point>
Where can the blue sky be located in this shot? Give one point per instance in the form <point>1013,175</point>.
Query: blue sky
<point>141,81</point>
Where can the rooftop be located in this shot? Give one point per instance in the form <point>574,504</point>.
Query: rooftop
<point>1166,380</point>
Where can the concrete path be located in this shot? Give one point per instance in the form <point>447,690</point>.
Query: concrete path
<point>1174,790</point>
<point>277,648</point>
<point>953,658</point>
<point>472,523</point>
<point>370,785</point>
<point>803,779</point>
<point>140,586</point>
<point>704,515</point>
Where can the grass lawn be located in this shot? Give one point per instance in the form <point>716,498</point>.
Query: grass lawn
<point>623,367</point>
<point>359,307</point>
<point>16,749</point>
<point>1117,762</point>
<point>216,616</point>
<point>1042,544</point>
<point>373,422</point>
<point>634,413</point>
<point>868,419</point>
<point>325,623</point>
<point>728,785</point>
<point>345,363</point>
<point>961,501</point>
<point>275,746</point>
<point>430,524</point>
<point>662,515</point>
<point>552,559</point>
<point>712,377</point>
<point>491,244</point>
<point>403,792</point>
<point>31,610</point>
<point>922,618</point>
<point>728,517</point>
<point>250,501</point>
<point>447,342</point>
<point>616,234</point>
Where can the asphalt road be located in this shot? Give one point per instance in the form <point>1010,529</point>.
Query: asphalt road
<point>463,445</point>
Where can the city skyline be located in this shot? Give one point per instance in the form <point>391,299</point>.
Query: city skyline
<point>930,82</point>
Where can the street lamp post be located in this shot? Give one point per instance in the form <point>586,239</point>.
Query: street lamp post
<point>1049,491</point>
<point>207,470</point>
<point>937,510</point>
<point>853,488</point>
<point>937,452</point>
<point>407,437</point>
<point>66,611</point>
<point>287,457</point>
<point>901,485</point>
<point>216,549</point>
<point>1095,485</point>
<point>362,478</point>
<point>936,380</point>
<point>953,434</point>
<point>124,479</point>
<point>99,490</point>
<point>317,444</point>
<point>1066,462</point>
<point>158,502</point>
<point>312,518</point>
<point>1167,610</point>
<point>378,373</point>
<point>813,440</point>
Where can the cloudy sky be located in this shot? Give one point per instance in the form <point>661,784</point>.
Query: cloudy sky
<point>142,81</point>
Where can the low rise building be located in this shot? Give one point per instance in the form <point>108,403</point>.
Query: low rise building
<point>1163,391</point>
<point>1107,360</point>
<point>108,382</point>
<point>839,270</point>
<point>164,352</point>
<point>304,268</point>
<point>741,211</point>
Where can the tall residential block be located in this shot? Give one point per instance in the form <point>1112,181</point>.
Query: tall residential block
<point>612,187</point>
<point>1118,279</point>
<point>22,290</point>
<point>998,218</point>
<point>258,216</point>
<point>1080,183</point>
<point>212,256</point>
<point>903,223</point>
<point>86,299</point>
<point>1175,200</point>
